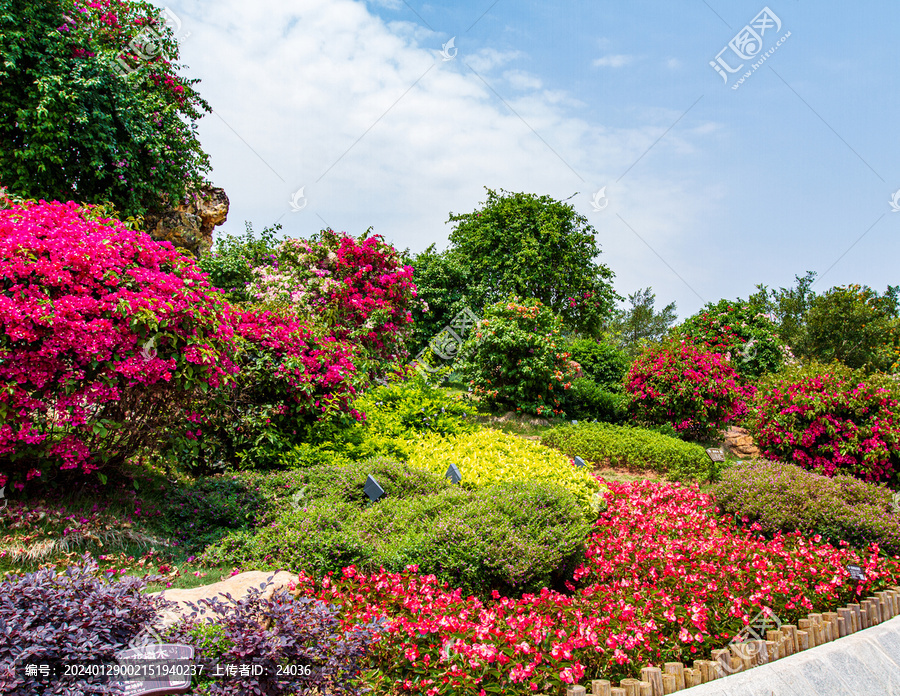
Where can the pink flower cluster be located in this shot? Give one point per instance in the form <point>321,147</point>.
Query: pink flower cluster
<point>665,579</point>
<point>95,319</point>
<point>315,374</point>
<point>691,388</point>
<point>830,421</point>
<point>355,287</point>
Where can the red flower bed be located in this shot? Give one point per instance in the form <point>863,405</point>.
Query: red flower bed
<point>664,579</point>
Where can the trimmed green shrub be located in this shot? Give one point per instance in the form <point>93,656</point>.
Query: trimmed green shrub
<point>490,457</point>
<point>786,498</point>
<point>587,399</point>
<point>624,445</point>
<point>509,537</point>
<point>344,481</point>
<point>602,363</point>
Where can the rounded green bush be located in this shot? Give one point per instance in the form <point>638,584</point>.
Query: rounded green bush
<point>489,457</point>
<point>624,445</point>
<point>602,363</point>
<point>512,538</point>
<point>786,498</point>
<point>516,358</point>
<point>587,399</point>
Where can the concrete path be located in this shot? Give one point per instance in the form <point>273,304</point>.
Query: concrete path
<point>863,663</point>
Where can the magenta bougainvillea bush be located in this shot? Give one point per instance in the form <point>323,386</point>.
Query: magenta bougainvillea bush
<point>357,288</point>
<point>291,376</point>
<point>664,579</point>
<point>829,419</point>
<point>103,331</point>
<point>689,387</point>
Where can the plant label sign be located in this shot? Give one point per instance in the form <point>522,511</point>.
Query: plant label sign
<point>156,670</point>
<point>856,573</point>
<point>453,474</point>
<point>715,454</point>
<point>579,462</point>
<point>373,489</point>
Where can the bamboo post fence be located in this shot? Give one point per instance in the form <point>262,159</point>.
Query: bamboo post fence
<point>814,630</point>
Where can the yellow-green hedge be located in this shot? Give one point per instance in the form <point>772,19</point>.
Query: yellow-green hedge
<point>487,457</point>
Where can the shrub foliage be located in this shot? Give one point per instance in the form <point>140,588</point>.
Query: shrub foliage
<point>829,419</point>
<point>786,498</point>
<point>516,358</point>
<point>104,333</point>
<point>628,446</point>
<point>692,389</point>
<point>78,617</point>
<point>488,457</point>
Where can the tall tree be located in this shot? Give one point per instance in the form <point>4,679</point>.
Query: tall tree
<point>91,106</point>
<point>444,288</point>
<point>633,326</point>
<point>534,247</point>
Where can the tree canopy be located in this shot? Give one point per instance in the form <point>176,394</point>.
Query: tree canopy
<point>534,247</point>
<point>91,106</point>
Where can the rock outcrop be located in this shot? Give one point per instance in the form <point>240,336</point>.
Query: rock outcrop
<point>190,225</point>
<point>237,586</point>
<point>739,442</point>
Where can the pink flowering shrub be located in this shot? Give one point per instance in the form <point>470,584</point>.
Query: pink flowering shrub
<point>664,579</point>
<point>690,388</point>
<point>829,419</point>
<point>356,288</point>
<point>290,378</point>
<point>103,331</point>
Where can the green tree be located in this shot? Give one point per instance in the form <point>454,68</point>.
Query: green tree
<point>640,323</point>
<point>787,307</point>
<point>92,108</point>
<point>444,287</point>
<point>534,247</point>
<point>856,326</point>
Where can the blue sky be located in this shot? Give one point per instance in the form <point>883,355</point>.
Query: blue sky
<point>708,190</point>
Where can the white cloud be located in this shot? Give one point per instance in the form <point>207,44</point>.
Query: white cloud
<point>673,63</point>
<point>380,131</point>
<point>613,61</point>
<point>519,79</point>
<point>486,59</point>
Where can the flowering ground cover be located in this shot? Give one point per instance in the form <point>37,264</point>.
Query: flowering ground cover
<point>664,579</point>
